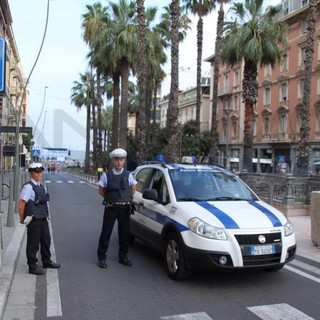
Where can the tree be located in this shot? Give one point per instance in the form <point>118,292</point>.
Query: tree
<point>125,51</point>
<point>200,8</point>
<point>81,92</point>
<point>303,144</point>
<point>253,37</point>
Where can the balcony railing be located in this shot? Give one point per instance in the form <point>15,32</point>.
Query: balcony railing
<point>225,91</point>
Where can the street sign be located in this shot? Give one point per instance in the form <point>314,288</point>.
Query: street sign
<point>13,129</point>
<point>282,159</point>
<point>2,65</point>
<point>35,152</point>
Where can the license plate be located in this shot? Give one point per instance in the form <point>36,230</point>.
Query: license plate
<point>260,250</point>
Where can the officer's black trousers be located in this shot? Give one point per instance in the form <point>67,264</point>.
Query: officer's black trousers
<point>121,213</point>
<point>38,234</point>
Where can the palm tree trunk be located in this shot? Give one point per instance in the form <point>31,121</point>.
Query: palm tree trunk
<point>249,94</point>
<point>124,103</point>
<point>217,59</point>
<point>88,129</point>
<point>99,111</point>
<point>303,145</point>
<point>199,61</point>
<point>116,111</point>
<point>173,113</point>
<point>142,81</point>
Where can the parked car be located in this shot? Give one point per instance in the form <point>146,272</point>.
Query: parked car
<point>205,217</point>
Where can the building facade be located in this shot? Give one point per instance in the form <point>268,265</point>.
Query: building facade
<point>12,99</point>
<point>277,114</point>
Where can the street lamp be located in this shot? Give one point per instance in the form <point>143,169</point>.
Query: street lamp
<point>227,112</point>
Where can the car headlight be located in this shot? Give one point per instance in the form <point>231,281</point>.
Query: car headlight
<point>288,228</point>
<point>204,229</point>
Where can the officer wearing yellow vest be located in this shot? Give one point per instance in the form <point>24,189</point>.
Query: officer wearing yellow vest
<point>117,187</point>
<point>33,211</point>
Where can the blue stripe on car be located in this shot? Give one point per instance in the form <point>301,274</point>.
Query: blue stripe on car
<point>158,217</point>
<point>275,221</point>
<point>228,222</point>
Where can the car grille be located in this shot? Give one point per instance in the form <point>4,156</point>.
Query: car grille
<point>248,240</point>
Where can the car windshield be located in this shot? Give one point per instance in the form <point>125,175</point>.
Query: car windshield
<point>208,185</point>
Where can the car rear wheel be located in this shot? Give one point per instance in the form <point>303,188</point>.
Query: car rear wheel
<point>175,260</point>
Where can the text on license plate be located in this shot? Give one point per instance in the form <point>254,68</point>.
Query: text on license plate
<point>260,250</point>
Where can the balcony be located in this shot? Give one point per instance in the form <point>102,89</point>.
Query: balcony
<point>225,91</point>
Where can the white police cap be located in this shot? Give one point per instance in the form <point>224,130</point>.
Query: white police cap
<point>118,153</point>
<point>35,167</point>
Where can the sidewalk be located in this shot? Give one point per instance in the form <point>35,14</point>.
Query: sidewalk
<point>13,238</point>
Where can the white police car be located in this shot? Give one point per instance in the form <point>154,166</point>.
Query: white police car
<point>202,216</point>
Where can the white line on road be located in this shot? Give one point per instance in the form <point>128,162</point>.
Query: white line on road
<point>279,311</point>
<point>53,289</point>
<point>59,181</point>
<point>70,181</point>
<point>303,274</point>
<point>188,316</point>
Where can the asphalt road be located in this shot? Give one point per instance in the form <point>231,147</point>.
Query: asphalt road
<point>144,291</point>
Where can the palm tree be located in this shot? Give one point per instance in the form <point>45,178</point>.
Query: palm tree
<point>303,145</point>
<point>200,8</point>
<point>253,37</point>
<point>80,97</point>
<point>125,51</point>
<point>93,23</point>
<point>217,58</point>
<point>107,126</point>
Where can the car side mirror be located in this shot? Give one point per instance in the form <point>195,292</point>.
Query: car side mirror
<point>150,194</point>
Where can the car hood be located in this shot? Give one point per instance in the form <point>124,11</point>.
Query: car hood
<point>235,214</point>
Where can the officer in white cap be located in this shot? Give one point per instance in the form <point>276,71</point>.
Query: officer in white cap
<point>117,187</point>
<point>33,211</point>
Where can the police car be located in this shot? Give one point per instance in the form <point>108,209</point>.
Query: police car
<point>205,217</point>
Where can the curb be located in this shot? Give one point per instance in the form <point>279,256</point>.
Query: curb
<point>9,263</point>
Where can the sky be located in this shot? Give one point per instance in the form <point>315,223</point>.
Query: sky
<point>63,58</point>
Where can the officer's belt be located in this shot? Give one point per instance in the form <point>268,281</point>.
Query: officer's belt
<point>118,204</point>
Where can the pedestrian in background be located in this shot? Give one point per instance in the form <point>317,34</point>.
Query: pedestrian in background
<point>33,211</point>
<point>117,187</point>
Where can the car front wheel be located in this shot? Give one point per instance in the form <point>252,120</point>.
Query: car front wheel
<point>175,260</point>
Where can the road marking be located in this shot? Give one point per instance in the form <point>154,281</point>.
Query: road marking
<point>53,289</point>
<point>70,181</point>
<point>303,274</point>
<point>188,316</point>
<point>82,181</point>
<point>279,311</point>
<point>48,181</point>
<point>59,181</point>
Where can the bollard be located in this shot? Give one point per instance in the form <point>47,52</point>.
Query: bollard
<point>18,192</point>
<point>10,216</point>
<point>315,217</point>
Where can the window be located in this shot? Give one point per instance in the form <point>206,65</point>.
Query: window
<point>304,26</point>
<point>142,178</point>
<point>285,63</point>
<point>226,103</point>
<point>226,79</point>
<point>285,5</point>
<point>302,56</point>
<point>254,127</point>
<point>283,123</point>
<point>300,88</point>
<point>284,92</point>
<point>234,128</point>
<point>318,119</point>
<point>268,70</point>
<point>267,96</point>
<point>236,77</point>
<point>266,126</point>
<point>192,113</point>
<point>158,183</point>
<point>236,102</point>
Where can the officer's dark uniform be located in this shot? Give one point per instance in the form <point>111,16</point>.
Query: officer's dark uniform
<point>38,229</point>
<point>117,200</point>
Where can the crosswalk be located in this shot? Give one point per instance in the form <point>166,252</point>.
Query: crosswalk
<point>280,311</point>
<point>69,181</point>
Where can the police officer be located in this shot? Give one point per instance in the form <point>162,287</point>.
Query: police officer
<point>117,187</point>
<point>33,211</point>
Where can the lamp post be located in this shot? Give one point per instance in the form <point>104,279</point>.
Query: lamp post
<point>227,112</point>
